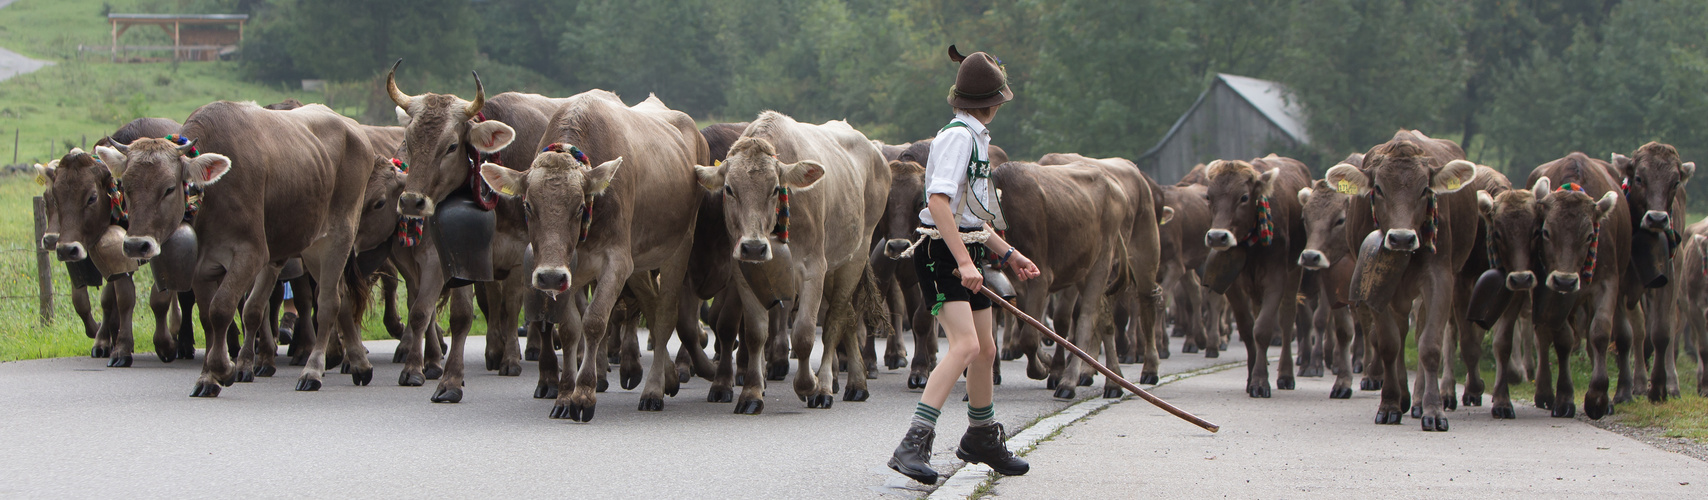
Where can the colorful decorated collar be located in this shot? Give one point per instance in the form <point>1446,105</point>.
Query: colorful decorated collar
<point>1673,239</point>
<point>1430,226</point>
<point>181,140</point>
<point>402,168</point>
<point>1264,233</point>
<point>782,227</point>
<point>116,203</point>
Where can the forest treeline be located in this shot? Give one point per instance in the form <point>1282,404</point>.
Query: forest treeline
<point>1520,82</point>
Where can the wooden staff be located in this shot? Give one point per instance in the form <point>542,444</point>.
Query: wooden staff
<point>1100,368</point>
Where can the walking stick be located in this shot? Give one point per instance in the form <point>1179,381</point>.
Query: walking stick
<point>1183,414</point>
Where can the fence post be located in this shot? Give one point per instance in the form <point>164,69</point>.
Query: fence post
<point>44,273</point>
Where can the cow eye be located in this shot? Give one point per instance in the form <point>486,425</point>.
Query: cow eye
<point>527,206</point>
<point>1589,238</point>
<point>91,200</point>
<point>451,149</point>
<point>1340,221</point>
<point>729,191</point>
<point>378,204</point>
<point>1377,190</point>
<point>1543,233</point>
<point>1244,198</point>
<point>169,190</point>
<point>1637,179</point>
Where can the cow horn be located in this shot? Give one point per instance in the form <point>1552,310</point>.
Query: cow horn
<point>479,98</point>
<point>121,147</point>
<point>397,96</point>
<point>184,149</point>
<point>955,54</point>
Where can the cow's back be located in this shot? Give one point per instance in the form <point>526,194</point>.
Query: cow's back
<point>1062,216</point>
<point>530,115</point>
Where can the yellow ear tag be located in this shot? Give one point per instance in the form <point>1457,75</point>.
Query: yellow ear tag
<point>1453,184</point>
<point>1346,187</point>
<point>717,163</point>
<point>508,190</point>
<point>41,180</point>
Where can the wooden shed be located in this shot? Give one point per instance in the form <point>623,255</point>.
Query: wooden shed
<point>1236,118</point>
<point>195,37</point>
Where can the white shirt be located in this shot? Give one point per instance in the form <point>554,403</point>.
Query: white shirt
<point>946,169</point>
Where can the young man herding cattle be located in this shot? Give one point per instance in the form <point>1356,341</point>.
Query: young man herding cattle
<point>959,192</point>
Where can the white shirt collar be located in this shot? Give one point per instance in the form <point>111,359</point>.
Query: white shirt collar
<point>972,123</point>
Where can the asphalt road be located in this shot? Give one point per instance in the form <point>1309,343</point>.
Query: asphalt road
<point>14,64</point>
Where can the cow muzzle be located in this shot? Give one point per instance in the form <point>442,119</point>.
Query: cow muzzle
<point>753,250</point>
<point>1313,260</point>
<point>1563,282</point>
<point>70,252</point>
<point>552,280</point>
<point>141,247</point>
<point>1521,281</point>
<point>894,247</point>
<point>414,205</point>
<point>1656,220</point>
<point>50,240</point>
<point>1219,239</point>
<point>1401,240</point>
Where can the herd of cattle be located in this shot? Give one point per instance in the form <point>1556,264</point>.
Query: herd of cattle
<point>575,219</point>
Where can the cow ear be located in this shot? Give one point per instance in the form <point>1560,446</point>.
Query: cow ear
<point>44,174</point>
<point>1266,182</point>
<point>1167,215</point>
<point>803,174</point>
<point>1456,174</point>
<point>1485,203</point>
<point>1622,164</point>
<point>114,159</point>
<point>1348,179</point>
<point>600,177</point>
<point>1698,239</point>
<point>900,168</point>
<point>1605,205</point>
<point>1685,170</point>
<point>491,136</point>
<point>1305,196</point>
<point>503,180</point>
<point>710,178</point>
<point>403,118</point>
<point>206,169</point>
<point>1541,188</point>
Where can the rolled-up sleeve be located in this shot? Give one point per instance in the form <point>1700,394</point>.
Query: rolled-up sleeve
<point>947,168</point>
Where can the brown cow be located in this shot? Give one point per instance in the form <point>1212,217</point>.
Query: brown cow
<point>1693,269</point>
<point>1401,180</point>
<point>650,147</point>
<point>1182,255</point>
<point>1654,190</point>
<point>297,193</point>
<point>81,210</point>
<point>168,306</point>
<point>835,183</point>
<point>1326,251</point>
<point>1582,273</point>
<point>1256,207</point>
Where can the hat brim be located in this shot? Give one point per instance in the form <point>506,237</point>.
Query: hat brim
<point>1007,94</point>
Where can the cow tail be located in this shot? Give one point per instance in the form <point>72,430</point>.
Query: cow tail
<point>869,303</point>
<point>358,291</point>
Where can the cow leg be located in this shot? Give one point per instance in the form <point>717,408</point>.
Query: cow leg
<point>1503,351</point>
<point>1470,344</point>
<point>567,332</point>
<point>780,327</point>
<point>1107,333</point>
<point>1149,308</point>
<point>1062,319</point>
<point>185,325</point>
<point>579,404</point>
<point>895,351</point>
<point>160,303</point>
<point>109,326</point>
<point>124,305</point>
<point>1596,403</point>
<point>754,324</point>
<point>326,260</point>
<point>660,303</point>
<point>424,293</point>
<point>1337,324</point>
<point>1430,351</point>
<point>691,360</point>
<point>1034,301</point>
<point>257,335</point>
<point>1189,299</point>
<point>1216,323</point>
<point>843,328</point>
<point>511,294</point>
<point>726,328</point>
<point>807,386</point>
<point>628,334</point>
<point>80,303</point>
<point>1696,316</point>
<point>1630,345</point>
<point>1239,304</point>
<point>450,388</point>
<point>925,340</point>
<point>1663,375</point>
<point>218,290</point>
<point>1287,308</point>
<point>388,292</point>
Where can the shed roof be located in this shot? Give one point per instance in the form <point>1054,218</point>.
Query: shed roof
<point>1270,99</point>
<point>205,18</point>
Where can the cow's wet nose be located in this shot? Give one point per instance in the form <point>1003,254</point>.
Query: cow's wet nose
<point>1219,239</point>
<point>412,204</point>
<point>1563,282</point>
<point>895,247</point>
<point>1312,259</point>
<point>1656,219</point>
<point>70,252</point>
<point>1520,281</point>
<point>755,251</point>
<point>50,240</point>
<point>1403,240</point>
<point>141,248</point>
<point>554,279</point>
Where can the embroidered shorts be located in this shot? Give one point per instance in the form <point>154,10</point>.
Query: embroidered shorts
<point>937,280</point>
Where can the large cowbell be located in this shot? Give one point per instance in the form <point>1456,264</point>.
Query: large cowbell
<point>464,234</point>
<point>1378,273</point>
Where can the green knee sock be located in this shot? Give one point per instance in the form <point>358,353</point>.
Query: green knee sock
<point>925,415</point>
<point>981,416</point>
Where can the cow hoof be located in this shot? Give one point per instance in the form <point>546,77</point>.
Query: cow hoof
<point>513,369</point>
<point>1176,332</point>
<point>915,381</point>
<point>1388,417</point>
<point>119,362</point>
<point>545,390</point>
<point>1358,368</point>
<point>1622,398</point>
<point>750,407</point>
<point>777,371</point>
<point>1112,393</point>
<point>1313,372</point>
<point>1221,347</point>
<point>1284,382</point>
<point>740,379</point>
<point>1503,412</point>
<point>1258,392</point>
<point>363,377</point>
<point>893,363</point>
<point>1064,392</point>
<point>630,380</point>
<point>531,354</point>
<point>670,388</point>
<point>308,384</point>
<point>1162,353</point>
<point>996,378</point>
<point>1417,411</point>
<point>266,371</point>
<point>1595,411</point>
<point>448,395</point>
<point>1340,393</point>
<point>492,362</point>
<point>836,385</point>
<point>1085,381</point>
<point>603,385</point>
<point>1369,384</point>
<point>1434,424</point>
<point>98,352</point>
<point>1189,348</point>
<point>189,354</point>
<point>205,390</point>
<point>574,412</point>
<point>1052,382</point>
<point>397,356</point>
<point>245,376</point>
<point>1036,371</point>
<point>853,394</point>
<point>1049,343</point>
<point>872,372</point>
<point>165,356</point>
<point>822,401</point>
<point>1007,354</point>
<point>719,395</point>
<point>651,404</point>
<point>1472,399</point>
<point>1148,378</point>
<point>432,372</point>
<point>407,379</point>
<point>1450,403</point>
<point>344,368</point>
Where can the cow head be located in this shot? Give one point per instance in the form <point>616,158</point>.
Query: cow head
<point>440,132</point>
<point>901,213</point>
<point>1571,233</point>
<point>1324,211</point>
<point>378,219</point>
<point>752,180</point>
<point>79,206</point>
<point>153,174</point>
<point>1653,176</point>
<point>1400,181</point>
<point>44,178</point>
<point>1514,222</point>
<point>555,192</point>
<point>1235,190</point>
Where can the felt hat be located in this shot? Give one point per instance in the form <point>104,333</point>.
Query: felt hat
<point>980,83</point>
